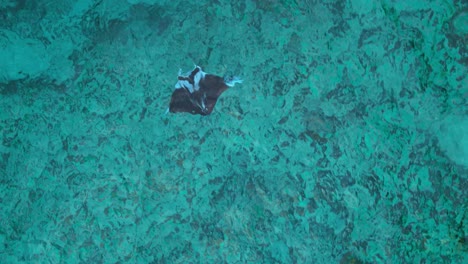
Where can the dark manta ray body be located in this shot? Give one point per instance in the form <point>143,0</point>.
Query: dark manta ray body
<point>197,92</point>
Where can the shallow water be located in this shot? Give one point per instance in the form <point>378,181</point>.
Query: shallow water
<point>345,143</point>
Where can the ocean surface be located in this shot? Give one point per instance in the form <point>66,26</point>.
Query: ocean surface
<point>347,141</point>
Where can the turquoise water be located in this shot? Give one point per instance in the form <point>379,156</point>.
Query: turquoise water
<point>347,142</point>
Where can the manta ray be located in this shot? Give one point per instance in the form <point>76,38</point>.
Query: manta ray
<point>197,92</point>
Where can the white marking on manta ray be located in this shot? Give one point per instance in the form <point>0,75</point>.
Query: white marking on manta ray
<point>200,75</point>
<point>232,81</point>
